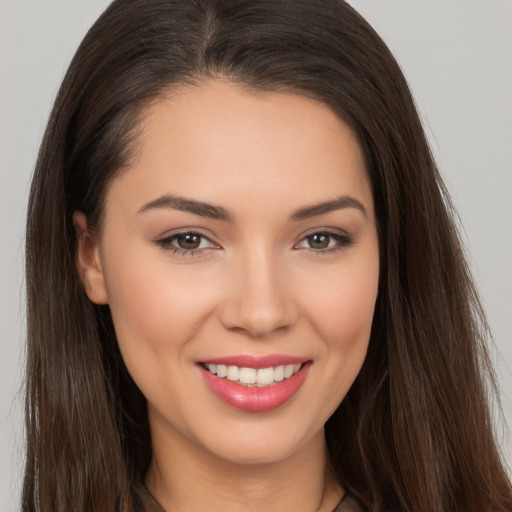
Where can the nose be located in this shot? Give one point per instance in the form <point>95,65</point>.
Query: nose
<point>259,298</point>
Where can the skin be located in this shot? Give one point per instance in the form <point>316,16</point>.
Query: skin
<point>257,286</point>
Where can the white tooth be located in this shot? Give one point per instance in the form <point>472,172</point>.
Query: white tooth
<point>233,372</point>
<point>222,370</point>
<point>288,371</point>
<point>212,368</point>
<point>279,373</point>
<point>247,375</point>
<point>296,368</point>
<point>265,376</point>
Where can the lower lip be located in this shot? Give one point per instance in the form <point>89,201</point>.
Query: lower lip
<point>253,398</point>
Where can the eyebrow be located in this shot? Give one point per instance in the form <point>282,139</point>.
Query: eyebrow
<point>329,206</point>
<point>185,204</point>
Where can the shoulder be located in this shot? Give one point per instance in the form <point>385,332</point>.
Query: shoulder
<point>350,503</point>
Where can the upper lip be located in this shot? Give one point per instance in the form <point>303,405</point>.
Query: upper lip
<point>251,361</point>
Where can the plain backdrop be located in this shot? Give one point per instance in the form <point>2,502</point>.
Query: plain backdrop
<point>457,56</point>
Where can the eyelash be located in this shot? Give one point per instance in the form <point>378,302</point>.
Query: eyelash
<point>166,244</point>
<point>342,242</point>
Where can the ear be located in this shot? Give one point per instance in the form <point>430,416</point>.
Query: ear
<point>88,261</point>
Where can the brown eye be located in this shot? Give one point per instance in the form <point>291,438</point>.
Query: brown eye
<point>319,241</point>
<point>325,242</point>
<point>188,241</point>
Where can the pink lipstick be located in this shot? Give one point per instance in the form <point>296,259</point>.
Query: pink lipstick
<point>255,384</point>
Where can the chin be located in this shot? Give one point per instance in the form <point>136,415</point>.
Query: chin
<point>261,442</point>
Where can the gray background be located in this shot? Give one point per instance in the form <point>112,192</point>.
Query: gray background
<point>457,56</point>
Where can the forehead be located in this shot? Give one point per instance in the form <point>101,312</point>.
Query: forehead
<point>217,142</point>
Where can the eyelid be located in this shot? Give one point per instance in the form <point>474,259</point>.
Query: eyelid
<point>326,230</point>
<point>165,242</point>
<point>344,240</point>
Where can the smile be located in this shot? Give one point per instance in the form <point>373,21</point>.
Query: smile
<point>258,377</point>
<point>255,384</point>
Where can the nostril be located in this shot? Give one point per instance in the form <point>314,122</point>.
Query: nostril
<point>256,319</point>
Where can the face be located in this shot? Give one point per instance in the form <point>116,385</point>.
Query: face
<point>239,257</point>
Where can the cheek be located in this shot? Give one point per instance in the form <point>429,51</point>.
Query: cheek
<point>156,311</point>
<point>156,314</point>
<point>340,305</point>
<point>348,317</point>
<point>343,306</point>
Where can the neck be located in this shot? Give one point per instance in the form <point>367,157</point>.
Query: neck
<point>183,477</point>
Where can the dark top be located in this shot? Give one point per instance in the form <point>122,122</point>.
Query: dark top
<point>349,503</point>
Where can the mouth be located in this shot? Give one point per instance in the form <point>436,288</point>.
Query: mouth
<point>253,377</point>
<point>255,384</point>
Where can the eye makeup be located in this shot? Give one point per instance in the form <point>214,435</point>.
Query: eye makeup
<point>189,243</point>
<point>324,241</point>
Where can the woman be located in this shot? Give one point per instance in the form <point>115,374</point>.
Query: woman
<point>237,235</point>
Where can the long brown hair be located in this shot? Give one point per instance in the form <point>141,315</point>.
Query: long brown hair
<point>414,432</point>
